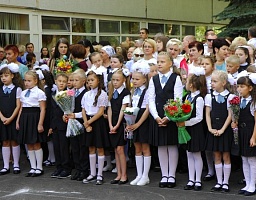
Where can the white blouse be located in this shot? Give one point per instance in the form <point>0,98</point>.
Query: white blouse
<point>136,98</point>
<point>11,86</point>
<point>36,95</point>
<point>252,108</point>
<point>89,98</point>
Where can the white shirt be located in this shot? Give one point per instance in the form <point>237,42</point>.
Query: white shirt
<point>151,60</point>
<point>209,83</point>
<point>199,110</point>
<point>79,114</point>
<point>136,98</point>
<point>252,108</point>
<point>252,41</point>
<point>11,86</point>
<point>89,98</point>
<point>126,99</point>
<point>235,75</point>
<point>178,90</point>
<point>36,95</point>
<point>208,98</point>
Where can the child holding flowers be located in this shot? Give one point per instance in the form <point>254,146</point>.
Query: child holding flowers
<point>218,119</point>
<point>163,133</point>
<point>196,84</point>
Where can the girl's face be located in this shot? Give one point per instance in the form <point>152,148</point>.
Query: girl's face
<point>78,82</point>
<point>163,64</point>
<point>115,63</point>
<point>194,53</point>
<point>104,55</point>
<point>63,49</point>
<point>117,80</point>
<point>97,60</point>
<point>222,52</point>
<point>7,78</point>
<point>61,82</point>
<point>70,82</point>
<point>148,49</point>
<point>207,65</point>
<point>153,71</point>
<point>173,50</point>
<point>93,81</point>
<point>45,51</point>
<point>189,85</point>
<point>159,45</point>
<point>217,84</point>
<point>240,53</point>
<point>30,81</point>
<point>244,90</point>
<point>138,79</point>
<point>11,56</point>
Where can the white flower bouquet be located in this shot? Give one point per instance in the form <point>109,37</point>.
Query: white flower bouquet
<point>130,115</point>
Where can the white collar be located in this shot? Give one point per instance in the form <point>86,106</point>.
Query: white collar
<point>247,99</point>
<point>235,74</point>
<point>119,90</point>
<point>193,94</point>
<point>81,89</point>
<point>166,74</point>
<point>95,90</point>
<point>34,88</point>
<point>142,87</point>
<point>224,93</point>
<point>244,64</point>
<point>11,86</point>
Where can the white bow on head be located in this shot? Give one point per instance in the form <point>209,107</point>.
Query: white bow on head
<point>198,71</point>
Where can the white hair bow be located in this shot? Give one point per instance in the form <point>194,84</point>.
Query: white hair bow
<point>231,79</point>
<point>252,76</point>
<point>142,67</point>
<point>40,74</point>
<point>198,71</point>
<point>96,71</point>
<point>13,67</point>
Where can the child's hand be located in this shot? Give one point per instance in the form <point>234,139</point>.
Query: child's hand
<point>234,125</point>
<point>105,116</point>
<point>165,121</point>
<point>134,127</point>
<point>158,120</point>
<point>86,124</point>
<point>180,124</point>
<point>213,131</point>
<point>17,125</point>
<point>252,142</point>
<point>88,129</point>
<point>40,128</point>
<point>220,132</point>
<point>50,131</point>
<point>65,118</point>
<point>7,121</point>
<point>71,116</point>
<point>3,119</point>
<point>113,130</point>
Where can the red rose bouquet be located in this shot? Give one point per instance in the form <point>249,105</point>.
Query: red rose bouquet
<point>235,109</point>
<point>179,112</point>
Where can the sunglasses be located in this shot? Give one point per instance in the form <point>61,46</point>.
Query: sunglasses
<point>210,40</point>
<point>139,55</point>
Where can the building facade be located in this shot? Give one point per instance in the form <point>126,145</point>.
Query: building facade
<point>43,22</point>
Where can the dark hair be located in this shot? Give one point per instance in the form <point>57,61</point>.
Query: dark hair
<point>206,32</point>
<point>199,46</point>
<point>29,43</point>
<point>100,86</point>
<point>199,83</point>
<point>48,77</point>
<point>93,54</point>
<point>86,43</point>
<point>104,43</point>
<point>218,43</point>
<point>246,52</point>
<point>56,52</point>
<point>48,54</point>
<point>17,80</point>
<point>252,31</point>
<point>119,57</point>
<point>12,47</point>
<point>29,57</point>
<point>244,80</point>
<point>145,29</point>
<point>123,53</point>
<point>78,51</point>
<point>164,39</point>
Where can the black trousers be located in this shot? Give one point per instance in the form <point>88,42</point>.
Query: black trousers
<point>80,153</point>
<point>61,145</point>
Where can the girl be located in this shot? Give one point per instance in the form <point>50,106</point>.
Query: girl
<point>117,62</point>
<point>163,133</point>
<point>11,84</point>
<point>94,103</point>
<point>219,136</point>
<point>30,121</point>
<point>196,84</point>
<point>243,53</point>
<point>119,98</point>
<point>45,55</point>
<point>247,135</point>
<point>161,43</point>
<point>140,128</point>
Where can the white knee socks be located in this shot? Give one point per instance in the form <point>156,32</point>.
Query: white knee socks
<point>146,166</point>
<point>39,159</point>
<point>93,164</point>
<point>16,156</point>
<point>252,164</point>
<point>173,161</point>
<point>51,156</point>
<point>100,164</point>
<point>191,167</point>
<point>32,159</point>
<point>219,172</point>
<point>6,151</point>
<point>139,165</point>
<point>163,160</point>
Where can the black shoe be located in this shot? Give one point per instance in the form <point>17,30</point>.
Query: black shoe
<point>75,176</point>
<point>123,182</point>
<point>99,180</point>
<point>241,182</point>
<point>171,184</point>
<point>246,193</point>
<point>241,191</point>
<point>209,177</point>
<point>38,172</point>
<point>31,172</point>
<point>163,184</point>
<point>114,181</point>
<point>4,171</point>
<point>198,187</point>
<point>16,170</point>
<point>216,189</point>
<point>225,189</point>
<point>56,173</point>
<point>189,187</point>
<point>64,174</point>
<point>82,176</point>
<point>89,179</point>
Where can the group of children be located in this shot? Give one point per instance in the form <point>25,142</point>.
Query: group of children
<point>99,104</point>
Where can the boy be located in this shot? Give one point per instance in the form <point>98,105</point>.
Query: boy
<point>232,65</point>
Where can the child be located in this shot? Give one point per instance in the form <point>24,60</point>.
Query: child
<point>218,119</point>
<point>58,130</point>
<point>247,134</point>
<point>243,53</point>
<point>119,98</point>
<point>153,70</point>
<point>208,64</point>
<point>140,128</point>
<point>196,84</point>
<point>163,133</point>
<point>11,84</point>
<point>70,82</point>
<point>30,121</point>
<point>116,62</point>
<point>94,103</point>
<point>232,65</point>
<point>78,143</point>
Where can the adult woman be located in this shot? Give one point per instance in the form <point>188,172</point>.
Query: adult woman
<point>161,43</point>
<point>220,49</point>
<point>196,49</point>
<point>78,53</point>
<point>45,55</point>
<point>106,52</point>
<point>149,48</point>
<point>12,53</point>
<point>88,50</point>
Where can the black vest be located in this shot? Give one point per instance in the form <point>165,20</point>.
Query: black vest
<point>78,107</point>
<point>7,102</point>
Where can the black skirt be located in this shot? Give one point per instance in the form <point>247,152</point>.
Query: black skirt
<point>9,132</point>
<point>28,132</point>
<point>117,139</point>
<point>197,142</point>
<point>99,137</point>
<point>141,134</point>
<point>244,140</point>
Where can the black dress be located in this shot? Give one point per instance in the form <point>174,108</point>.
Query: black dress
<point>117,139</point>
<point>219,114</point>
<point>7,106</point>
<point>197,142</point>
<point>168,135</point>
<point>141,134</point>
<point>245,128</point>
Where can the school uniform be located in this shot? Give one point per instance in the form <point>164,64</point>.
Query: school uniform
<point>117,139</point>
<point>8,97</point>
<point>243,67</point>
<point>140,100</point>
<point>99,137</point>
<point>29,118</point>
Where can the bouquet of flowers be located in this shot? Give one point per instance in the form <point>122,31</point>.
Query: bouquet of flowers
<point>235,109</point>
<point>179,112</point>
<point>66,101</point>
<point>64,65</point>
<point>130,115</point>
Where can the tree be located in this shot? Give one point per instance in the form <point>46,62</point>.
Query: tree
<point>241,14</point>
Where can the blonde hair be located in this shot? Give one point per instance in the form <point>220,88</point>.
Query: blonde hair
<point>36,77</point>
<point>222,76</point>
<point>239,41</point>
<point>233,59</point>
<point>175,69</point>
<point>111,87</point>
<point>151,42</point>
<point>80,73</point>
<point>174,41</point>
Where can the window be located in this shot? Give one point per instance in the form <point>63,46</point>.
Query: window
<point>10,21</point>
<point>13,38</point>
<point>172,29</point>
<point>77,38</point>
<point>83,25</point>
<point>55,23</point>
<point>114,40</point>
<point>130,27</point>
<point>155,28</point>
<point>188,30</point>
<point>50,41</point>
<point>109,26</point>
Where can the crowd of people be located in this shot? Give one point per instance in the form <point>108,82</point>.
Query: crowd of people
<point>143,74</point>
